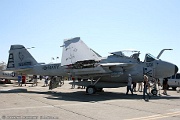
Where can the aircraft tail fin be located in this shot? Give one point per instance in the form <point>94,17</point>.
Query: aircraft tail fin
<point>20,58</point>
<point>75,50</point>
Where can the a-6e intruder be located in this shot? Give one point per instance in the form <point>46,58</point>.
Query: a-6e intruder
<point>96,72</point>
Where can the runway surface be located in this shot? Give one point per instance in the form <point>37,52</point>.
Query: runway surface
<point>64,103</point>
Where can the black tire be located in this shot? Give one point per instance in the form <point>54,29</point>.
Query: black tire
<point>91,90</point>
<point>154,92</point>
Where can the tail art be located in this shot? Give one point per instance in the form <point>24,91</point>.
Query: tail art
<point>20,58</point>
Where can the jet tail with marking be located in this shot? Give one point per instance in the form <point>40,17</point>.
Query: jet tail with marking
<point>20,58</point>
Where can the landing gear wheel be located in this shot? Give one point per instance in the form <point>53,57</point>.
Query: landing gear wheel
<point>154,92</point>
<point>91,90</point>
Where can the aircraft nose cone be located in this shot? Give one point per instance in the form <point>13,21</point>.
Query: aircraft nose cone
<point>176,69</point>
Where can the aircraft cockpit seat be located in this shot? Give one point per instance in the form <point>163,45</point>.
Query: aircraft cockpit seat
<point>135,55</point>
<point>118,53</point>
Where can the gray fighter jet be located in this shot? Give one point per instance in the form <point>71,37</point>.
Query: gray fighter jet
<point>112,71</point>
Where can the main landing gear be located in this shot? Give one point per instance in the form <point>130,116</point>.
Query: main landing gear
<point>91,89</point>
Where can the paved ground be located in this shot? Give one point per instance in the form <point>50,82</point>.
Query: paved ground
<point>73,104</point>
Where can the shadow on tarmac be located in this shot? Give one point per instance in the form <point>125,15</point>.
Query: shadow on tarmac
<point>81,96</point>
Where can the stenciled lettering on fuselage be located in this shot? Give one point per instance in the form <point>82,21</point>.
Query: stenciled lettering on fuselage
<point>9,74</point>
<point>116,74</point>
<point>50,67</point>
<point>25,63</point>
<point>149,64</point>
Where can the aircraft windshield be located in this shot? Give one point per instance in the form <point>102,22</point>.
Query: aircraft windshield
<point>149,58</point>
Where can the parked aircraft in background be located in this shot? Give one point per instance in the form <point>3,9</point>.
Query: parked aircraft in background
<point>8,75</point>
<point>111,71</point>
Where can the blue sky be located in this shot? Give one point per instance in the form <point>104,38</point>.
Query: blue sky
<point>104,25</point>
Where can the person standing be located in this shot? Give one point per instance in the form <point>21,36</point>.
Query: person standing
<point>73,84</point>
<point>159,85</point>
<point>40,77</point>
<point>129,85</point>
<point>23,80</point>
<point>165,86</point>
<point>34,80</point>
<point>145,88</point>
<point>140,86</point>
<point>46,81</point>
<point>134,86</point>
<point>19,80</point>
<point>51,83</point>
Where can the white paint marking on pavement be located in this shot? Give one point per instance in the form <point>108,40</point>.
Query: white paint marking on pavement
<point>153,117</point>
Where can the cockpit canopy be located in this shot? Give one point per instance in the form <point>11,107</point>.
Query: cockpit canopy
<point>127,53</point>
<point>149,58</point>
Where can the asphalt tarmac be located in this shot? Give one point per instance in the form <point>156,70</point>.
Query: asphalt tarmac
<point>64,103</point>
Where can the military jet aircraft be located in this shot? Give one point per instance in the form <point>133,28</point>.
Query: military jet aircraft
<point>93,71</point>
<point>111,71</point>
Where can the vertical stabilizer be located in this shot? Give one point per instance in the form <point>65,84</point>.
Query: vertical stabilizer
<point>19,58</point>
<point>76,50</point>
